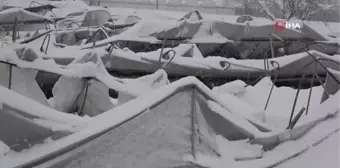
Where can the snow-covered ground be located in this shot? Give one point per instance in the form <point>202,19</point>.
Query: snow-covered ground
<point>253,99</point>
<point>245,106</point>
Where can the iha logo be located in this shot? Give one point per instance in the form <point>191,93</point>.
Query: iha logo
<point>282,25</point>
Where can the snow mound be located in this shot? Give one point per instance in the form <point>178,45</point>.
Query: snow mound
<point>91,97</point>
<point>234,87</point>
<point>253,99</point>
<point>9,15</point>
<point>144,84</point>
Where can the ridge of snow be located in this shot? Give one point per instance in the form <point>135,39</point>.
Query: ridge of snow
<point>22,103</point>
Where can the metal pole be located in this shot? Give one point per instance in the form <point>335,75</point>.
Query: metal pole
<point>246,7</point>
<point>157,5</point>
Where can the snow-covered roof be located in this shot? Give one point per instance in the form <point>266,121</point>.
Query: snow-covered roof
<point>9,16</point>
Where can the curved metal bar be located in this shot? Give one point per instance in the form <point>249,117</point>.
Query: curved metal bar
<point>225,64</point>
<point>161,54</point>
<point>276,73</point>
<point>48,43</point>
<point>254,49</point>
<point>277,67</point>
<point>171,58</point>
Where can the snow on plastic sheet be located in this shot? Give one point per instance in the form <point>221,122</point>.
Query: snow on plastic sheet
<point>25,57</point>
<point>219,64</point>
<point>4,149</point>
<point>235,119</point>
<point>68,6</point>
<point>81,67</point>
<point>281,101</point>
<point>69,93</point>
<point>327,108</point>
<point>233,87</point>
<point>239,150</point>
<point>300,151</point>
<point>254,98</point>
<point>144,85</point>
<point>326,153</point>
<point>23,3</point>
<point>36,109</point>
<point>10,14</point>
<point>289,149</point>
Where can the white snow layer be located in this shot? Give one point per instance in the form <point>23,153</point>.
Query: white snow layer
<point>142,103</point>
<point>253,100</point>
<point>4,149</point>
<point>326,126</point>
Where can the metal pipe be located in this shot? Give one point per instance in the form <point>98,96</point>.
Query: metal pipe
<point>310,94</point>
<point>296,98</point>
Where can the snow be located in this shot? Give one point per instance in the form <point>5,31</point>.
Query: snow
<point>111,118</point>
<point>24,3</point>
<point>303,149</point>
<point>36,109</point>
<point>239,121</point>
<point>4,149</point>
<point>135,106</point>
<point>254,99</point>
<point>242,105</point>
<point>69,6</point>
<point>10,14</point>
<point>70,92</point>
<point>145,84</point>
<point>79,70</point>
<point>327,153</point>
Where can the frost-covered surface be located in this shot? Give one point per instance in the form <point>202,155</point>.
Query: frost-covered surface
<point>87,69</point>
<point>133,107</point>
<point>291,153</point>
<point>243,106</point>
<point>253,100</point>
<point>145,84</point>
<point>109,119</point>
<point>326,153</point>
<point>4,149</point>
<point>23,3</point>
<point>9,15</point>
<point>64,7</point>
<point>36,109</point>
<point>185,65</point>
